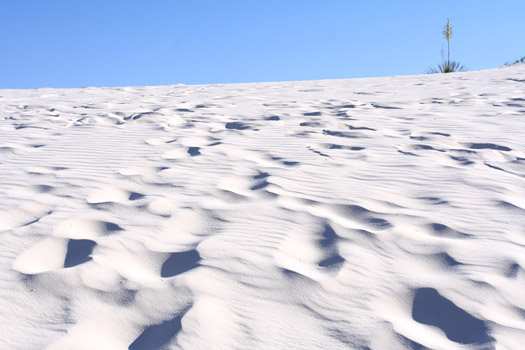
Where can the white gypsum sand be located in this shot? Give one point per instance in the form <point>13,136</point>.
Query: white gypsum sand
<point>384,213</point>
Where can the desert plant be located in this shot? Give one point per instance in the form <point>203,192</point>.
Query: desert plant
<point>447,66</point>
<point>519,60</point>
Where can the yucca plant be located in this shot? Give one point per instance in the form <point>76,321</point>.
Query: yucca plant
<point>447,66</point>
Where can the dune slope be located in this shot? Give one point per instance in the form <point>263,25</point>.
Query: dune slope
<point>384,213</point>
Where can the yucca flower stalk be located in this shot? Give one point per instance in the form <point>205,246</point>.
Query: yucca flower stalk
<point>447,33</point>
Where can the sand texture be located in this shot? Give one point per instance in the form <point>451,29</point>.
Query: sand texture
<point>370,214</point>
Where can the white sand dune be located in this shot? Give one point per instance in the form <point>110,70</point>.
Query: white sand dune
<point>384,213</point>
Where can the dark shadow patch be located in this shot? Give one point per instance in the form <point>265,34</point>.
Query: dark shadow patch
<point>260,185</point>
<point>344,115</point>
<point>488,146</point>
<point>180,262</point>
<point>78,252</point>
<point>419,138</point>
<point>127,296</point>
<point>447,260</point>
<point>462,160</point>
<point>137,116</point>
<point>360,128</point>
<point>261,175</point>
<point>312,114</point>
<point>363,215</point>
<point>498,168</point>
<point>290,163</point>
<point>329,237</point>
<point>285,162</point>
<point>268,194</point>
<point>346,134</point>
<point>44,188</point>
<point>365,234</point>
<point>351,211</point>
<point>121,297</point>
<point>303,134</point>
<point>290,273</point>
<point>194,151</point>
<point>237,126</point>
<point>350,148</point>
<point>378,223</point>
<point>316,314</point>
<point>511,206</point>
<point>272,118</point>
<point>111,227</point>
<point>133,196</point>
<point>184,110</point>
<point>512,270</point>
<point>424,147</point>
<point>434,200</point>
<point>375,105</point>
<point>460,150</point>
<point>407,153</point>
<point>312,124</point>
<point>331,262</point>
<point>102,205</point>
<point>294,276</point>
<point>445,231</point>
<point>31,222</point>
<point>432,309</point>
<point>319,153</point>
<point>157,336</point>
<point>328,242</point>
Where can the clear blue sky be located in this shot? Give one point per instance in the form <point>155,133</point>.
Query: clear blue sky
<point>75,43</point>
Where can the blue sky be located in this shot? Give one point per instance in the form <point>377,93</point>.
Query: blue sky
<point>75,43</point>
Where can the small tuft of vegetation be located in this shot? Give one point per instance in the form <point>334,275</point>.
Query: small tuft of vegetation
<point>447,66</point>
<point>519,60</point>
